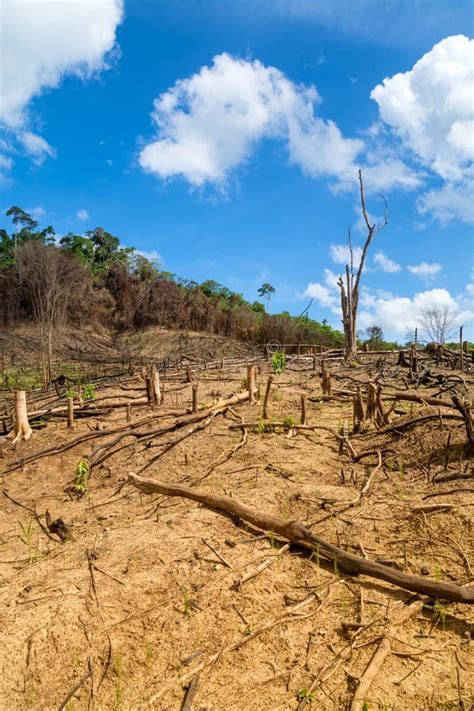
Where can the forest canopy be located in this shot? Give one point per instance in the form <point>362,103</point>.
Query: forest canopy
<point>95,279</point>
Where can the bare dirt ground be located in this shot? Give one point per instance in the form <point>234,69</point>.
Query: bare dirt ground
<point>137,604</point>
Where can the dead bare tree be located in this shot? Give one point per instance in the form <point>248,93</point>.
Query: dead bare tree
<point>438,323</point>
<point>51,280</point>
<point>350,289</point>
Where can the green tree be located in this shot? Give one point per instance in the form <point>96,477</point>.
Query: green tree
<point>266,291</point>
<point>374,339</point>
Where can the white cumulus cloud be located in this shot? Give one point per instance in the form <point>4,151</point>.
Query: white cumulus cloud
<point>425,270</point>
<point>323,295</point>
<point>36,147</point>
<point>386,264</point>
<point>397,315</point>
<point>210,123</point>
<point>430,107</point>
<point>82,215</point>
<point>43,41</point>
<point>340,254</point>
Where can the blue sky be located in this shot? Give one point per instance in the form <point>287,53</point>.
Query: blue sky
<point>247,172</point>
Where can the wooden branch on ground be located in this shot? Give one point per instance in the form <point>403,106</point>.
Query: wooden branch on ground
<point>221,405</point>
<point>465,409</point>
<point>381,654</point>
<point>297,533</point>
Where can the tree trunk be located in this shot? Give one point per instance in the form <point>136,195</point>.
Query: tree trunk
<point>23,430</point>
<point>350,290</point>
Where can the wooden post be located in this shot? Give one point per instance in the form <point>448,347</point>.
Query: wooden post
<point>195,397</point>
<point>265,399</point>
<point>326,384</point>
<point>413,360</point>
<point>303,410</point>
<point>371,400</point>
<point>129,412</point>
<point>23,430</point>
<point>251,383</point>
<point>461,350</point>
<point>149,390</point>
<point>155,383</point>
<point>4,419</point>
<point>358,411</point>
<point>379,413</point>
<point>189,376</point>
<point>70,412</point>
<point>314,361</point>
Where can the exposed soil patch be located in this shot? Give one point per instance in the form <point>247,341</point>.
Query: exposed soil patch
<point>151,590</point>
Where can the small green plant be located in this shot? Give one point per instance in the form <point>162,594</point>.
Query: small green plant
<point>88,392</point>
<point>247,631</point>
<point>278,362</point>
<point>71,393</point>
<point>83,472</point>
<point>148,654</point>
<point>187,604</point>
<point>28,531</point>
<point>365,706</point>
<point>118,669</point>
<point>306,695</point>
<point>289,422</point>
<point>439,613</point>
<point>263,427</point>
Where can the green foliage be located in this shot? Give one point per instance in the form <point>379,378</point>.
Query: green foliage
<point>70,392</point>
<point>439,613</point>
<point>375,340</point>
<point>289,422</point>
<point>118,285</point>
<point>278,362</point>
<point>83,471</point>
<point>28,531</point>
<point>306,695</point>
<point>88,392</point>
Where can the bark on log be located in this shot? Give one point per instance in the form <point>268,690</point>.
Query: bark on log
<point>297,533</point>
<point>70,412</point>
<point>266,397</point>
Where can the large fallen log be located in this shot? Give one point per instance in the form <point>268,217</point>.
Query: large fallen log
<point>298,534</point>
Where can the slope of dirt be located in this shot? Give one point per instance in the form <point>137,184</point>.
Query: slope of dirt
<point>136,604</point>
<point>89,352</point>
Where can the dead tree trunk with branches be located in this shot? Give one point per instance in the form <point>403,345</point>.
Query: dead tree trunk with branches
<point>349,287</point>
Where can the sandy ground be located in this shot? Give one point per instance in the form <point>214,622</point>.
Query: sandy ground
<point>136,603</point>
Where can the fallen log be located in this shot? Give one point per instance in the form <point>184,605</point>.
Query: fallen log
<point>297,533</point>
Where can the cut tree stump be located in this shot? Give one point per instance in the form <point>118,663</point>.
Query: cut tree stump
<point>23,430</point>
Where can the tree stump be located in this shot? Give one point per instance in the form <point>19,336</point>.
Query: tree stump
<point>23,430</point>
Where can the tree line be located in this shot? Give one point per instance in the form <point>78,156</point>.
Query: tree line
<point>91,278</point>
